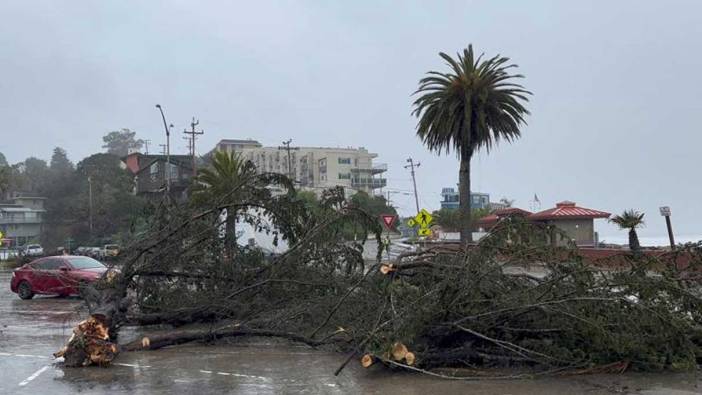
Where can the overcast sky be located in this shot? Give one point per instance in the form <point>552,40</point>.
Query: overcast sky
<point>616,86</point>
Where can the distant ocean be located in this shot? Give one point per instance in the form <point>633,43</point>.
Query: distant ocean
<point>650,241</point>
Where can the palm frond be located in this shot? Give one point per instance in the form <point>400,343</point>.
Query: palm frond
<point>474,105</point>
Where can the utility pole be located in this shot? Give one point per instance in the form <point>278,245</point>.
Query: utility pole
<point>190,143</point>
<point>286,146</point>
<point>146,146</point>
<point>168,150</point>
<point>411,166</point>
<point>192,134</point>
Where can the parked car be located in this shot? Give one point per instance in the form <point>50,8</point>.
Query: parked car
<point>111,250</point>
<point>32,250</point>
<point>81,251</point>
<point>55,275</point>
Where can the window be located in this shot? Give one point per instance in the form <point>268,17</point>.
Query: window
<point>85,262</point>
<point>344,176</point>
<point>173,171</point>
<point>49,264</point>
<point>344,161</point>
<point>153,169</point>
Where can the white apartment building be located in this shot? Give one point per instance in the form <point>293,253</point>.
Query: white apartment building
<point>315,168</point>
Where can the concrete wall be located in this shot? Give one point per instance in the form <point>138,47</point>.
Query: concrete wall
<point>581,230</point>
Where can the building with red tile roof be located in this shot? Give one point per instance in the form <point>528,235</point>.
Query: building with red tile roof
<point>576,222</point>
<point>491,220</point>
<point>567,209</point>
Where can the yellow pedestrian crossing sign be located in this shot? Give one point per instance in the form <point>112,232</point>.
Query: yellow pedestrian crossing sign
<point>423,218</point>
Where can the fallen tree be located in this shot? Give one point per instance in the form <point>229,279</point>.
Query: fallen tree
<point>513,300</point>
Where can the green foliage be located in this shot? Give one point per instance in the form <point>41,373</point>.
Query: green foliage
<point>474,105</point>
<point>233,185</point>
<point>33,176</point>
<point>450,219</point>
<point>60,164</point>
<point>461,309</point>
<point>630,219</point>
<point>225,174</point>
<point>5,180</point>
<point>373,206</point>
<point>120,142</point>
<point>115,208</point>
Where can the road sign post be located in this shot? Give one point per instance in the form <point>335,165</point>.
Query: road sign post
<point>665,212</point>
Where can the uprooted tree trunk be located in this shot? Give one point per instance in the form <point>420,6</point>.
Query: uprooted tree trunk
<point>182,273</point>
<point>512,300</point>
<point>89,344</point>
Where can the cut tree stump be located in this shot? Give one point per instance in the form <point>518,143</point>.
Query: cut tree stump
<point>89,344</point>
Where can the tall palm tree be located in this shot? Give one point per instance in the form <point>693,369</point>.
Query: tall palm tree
<point>222,182</point>
<point>630,219</point>
<point>474,105</point>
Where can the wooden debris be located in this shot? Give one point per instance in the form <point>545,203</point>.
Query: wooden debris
<point>367,361</point>
<point>387,268</point>
<point>410,358</point>
<point>89,344</point>
<point>399,351</point>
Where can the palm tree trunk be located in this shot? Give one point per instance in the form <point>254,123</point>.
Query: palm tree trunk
<point>464,196</point>
<point>634,245</point>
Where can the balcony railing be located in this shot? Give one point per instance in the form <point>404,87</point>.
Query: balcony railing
<point>6,220</point>
<point>377,169</point>
<point>370,183</point>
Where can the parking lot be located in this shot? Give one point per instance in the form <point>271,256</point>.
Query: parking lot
<point>31,330</point>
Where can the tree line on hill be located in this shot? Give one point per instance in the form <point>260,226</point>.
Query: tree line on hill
<point>116,210</point>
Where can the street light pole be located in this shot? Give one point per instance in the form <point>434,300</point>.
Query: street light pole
<point>168,151</point>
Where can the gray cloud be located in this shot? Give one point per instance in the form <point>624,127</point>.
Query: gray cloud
<point>613,122</point>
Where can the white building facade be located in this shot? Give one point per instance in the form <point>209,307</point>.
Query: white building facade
<point>314,168</point>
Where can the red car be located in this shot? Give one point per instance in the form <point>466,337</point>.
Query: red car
<point>55,275</point>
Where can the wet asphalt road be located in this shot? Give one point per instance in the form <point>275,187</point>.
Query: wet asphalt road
<point>30,331</point>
